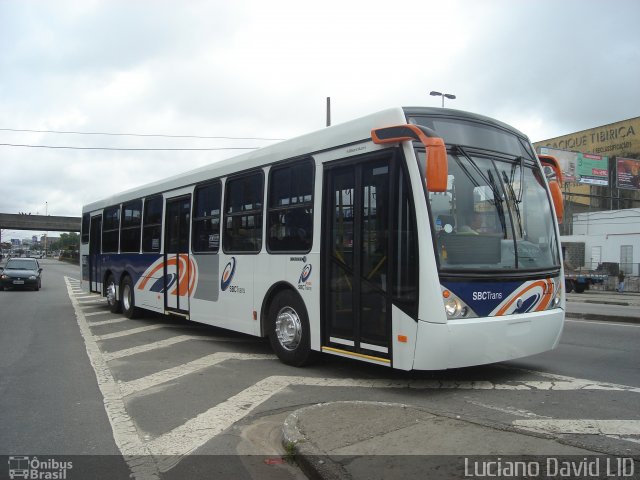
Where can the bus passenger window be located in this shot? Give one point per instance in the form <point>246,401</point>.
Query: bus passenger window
<point>111,229</point>
<point>130,234</point>
<point>206,218</point>
<point>84,235</point>
<point>290,215</point>
<point>152,224</point>
<point>243,213</point>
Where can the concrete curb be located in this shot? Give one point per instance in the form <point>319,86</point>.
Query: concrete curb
<point>319,464</point>
<point>315,463</point>
<point>601,318</point>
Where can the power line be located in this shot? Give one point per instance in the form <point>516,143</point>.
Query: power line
<point>63,132</point>
<point>127,149</point>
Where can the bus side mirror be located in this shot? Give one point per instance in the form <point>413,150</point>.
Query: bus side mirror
<point>552,171</point>
<point>436,152</point>
<point>437,168</point>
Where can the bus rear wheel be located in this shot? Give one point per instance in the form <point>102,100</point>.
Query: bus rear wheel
<point>128,299</point>
<point>112,297</point>
<point>289,329</point>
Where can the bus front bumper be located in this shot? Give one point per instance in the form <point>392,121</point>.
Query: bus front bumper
<point>479,341</point>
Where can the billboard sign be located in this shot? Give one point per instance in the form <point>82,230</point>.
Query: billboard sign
<point>581,167</point>
<point>593,169</point>
<point>628,173</point>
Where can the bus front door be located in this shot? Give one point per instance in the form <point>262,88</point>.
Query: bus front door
<point>357,307</point>
<point>95,247</point>
<point>178,266</point>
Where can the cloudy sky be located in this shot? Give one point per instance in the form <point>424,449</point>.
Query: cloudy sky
<point>167,73</point>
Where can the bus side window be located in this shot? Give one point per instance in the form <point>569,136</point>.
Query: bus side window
<point>290,214</point>
<point>206,218</point>
<point>130,232</point>
<point>405,284</point>
<point>111,229</point>
<point>243,213</point>
<point>152,224</point>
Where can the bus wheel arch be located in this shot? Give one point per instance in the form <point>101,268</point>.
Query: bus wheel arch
<point>273,291</point>
<point>286,322</point>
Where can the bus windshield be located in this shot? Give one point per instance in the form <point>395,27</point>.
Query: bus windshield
<point>495,214</point>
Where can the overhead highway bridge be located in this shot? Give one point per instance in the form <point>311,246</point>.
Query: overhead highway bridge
<point>47,223</point>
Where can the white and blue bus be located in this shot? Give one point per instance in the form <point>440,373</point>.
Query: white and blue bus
<point>415,238</point>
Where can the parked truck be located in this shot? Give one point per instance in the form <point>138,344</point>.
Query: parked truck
<point>579,281</point>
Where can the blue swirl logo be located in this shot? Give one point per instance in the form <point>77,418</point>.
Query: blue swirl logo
<point>306,273</point>
<point>227,274</point>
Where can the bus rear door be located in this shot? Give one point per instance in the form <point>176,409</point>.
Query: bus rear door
<point>95,247</point>
<point>178,265</point>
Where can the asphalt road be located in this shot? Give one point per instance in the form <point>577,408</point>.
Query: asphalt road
<point>78,380</point>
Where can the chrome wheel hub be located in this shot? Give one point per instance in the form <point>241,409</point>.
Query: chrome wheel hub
<point>288,328</point>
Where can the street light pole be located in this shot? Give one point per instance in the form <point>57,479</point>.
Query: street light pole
<point>450,96</point>
<point>46,235</point>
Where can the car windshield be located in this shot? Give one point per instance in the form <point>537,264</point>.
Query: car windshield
<point>495,214</point>
<point>21,265</point>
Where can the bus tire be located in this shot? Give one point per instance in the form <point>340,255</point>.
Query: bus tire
<point>128,299</point>
<point>289,332</point>
<point>580,287</point>
<point>111,294</point>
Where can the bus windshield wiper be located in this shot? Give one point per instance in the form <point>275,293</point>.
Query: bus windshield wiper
<point>498,203</point>
<point>463,167</point>
<point>513,172</point>
<point>515,200</point>
<point>497,197</point>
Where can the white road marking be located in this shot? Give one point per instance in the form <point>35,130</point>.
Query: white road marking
<point>125,434</point>
<point>93,300</point>
<point>140,384</point>
<point>108,356</point>
<point>101,312</point>
<point>581,427</point>
<point>518,412</point>
<point>106,322</point>
<point>584,383</point>
<point>196,432</point>
<point>131,331</point>
<point>147,347</point>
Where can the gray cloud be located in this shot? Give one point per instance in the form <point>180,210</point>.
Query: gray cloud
<point>263,69</point>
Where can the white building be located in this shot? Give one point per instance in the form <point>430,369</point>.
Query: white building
<point>611,236</point>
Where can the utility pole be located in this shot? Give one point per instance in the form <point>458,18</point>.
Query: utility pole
<point>328,111</point>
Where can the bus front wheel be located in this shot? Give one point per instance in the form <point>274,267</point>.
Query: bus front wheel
<point>289,329</point>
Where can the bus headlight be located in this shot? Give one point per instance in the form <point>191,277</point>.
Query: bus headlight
<point>454,307</point>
